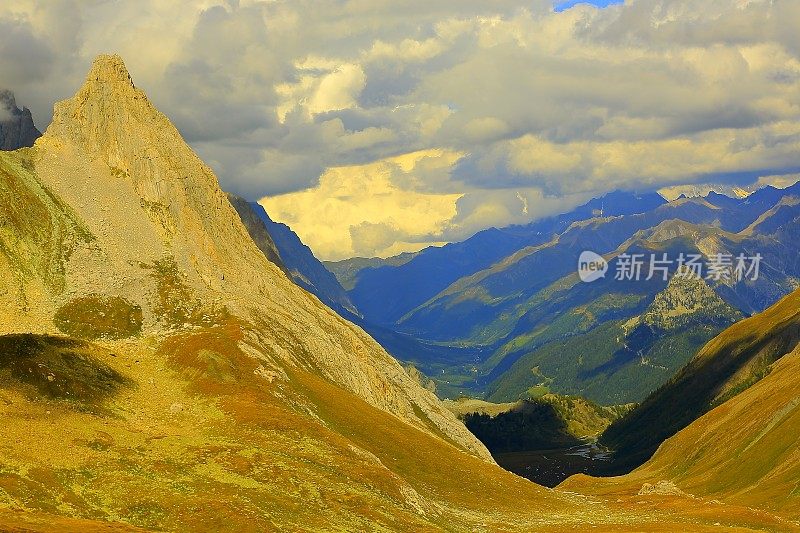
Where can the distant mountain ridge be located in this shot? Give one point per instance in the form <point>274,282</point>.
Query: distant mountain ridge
<point>303,267</point>
<point>512,311</point>
<point>386,293</point>
<point>702,190</point>
<point>17,129</point>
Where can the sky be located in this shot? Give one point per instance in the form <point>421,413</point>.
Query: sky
<point>561,6</point>
<point>373,127</point>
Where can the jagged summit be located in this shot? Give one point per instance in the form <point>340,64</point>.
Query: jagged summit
<point>110,68</point>
<point>111,118</point>
<point>16,125</point>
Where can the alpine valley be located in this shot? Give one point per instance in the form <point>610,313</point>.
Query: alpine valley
<point>173,359</point>
<point>503,315</point>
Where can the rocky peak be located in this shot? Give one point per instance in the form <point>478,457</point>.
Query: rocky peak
<point>146,198</point>
<point>109,69</point>
<point>110,118</point>
<point>110,121</point>
<point>16,125</point>
<point>687,296</point>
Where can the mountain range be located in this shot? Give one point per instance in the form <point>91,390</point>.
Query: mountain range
<point>504,315</point>
<point>730,419</point>
<point>179,365</point>
<point>164,365</point>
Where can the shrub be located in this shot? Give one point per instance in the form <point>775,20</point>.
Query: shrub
<point>97,316</point>
<point>177,305</point>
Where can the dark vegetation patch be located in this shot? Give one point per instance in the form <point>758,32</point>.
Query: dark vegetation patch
<point>531,426</point>
<point>96,316</point>
<point>58,368</point>
<point>546,439</point>
<point>176,304</point>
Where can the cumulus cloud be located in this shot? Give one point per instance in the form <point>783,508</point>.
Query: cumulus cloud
<point>361,209</point>
<point>513,103</point>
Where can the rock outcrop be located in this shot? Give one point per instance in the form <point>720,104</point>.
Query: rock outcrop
<point>16,125</point>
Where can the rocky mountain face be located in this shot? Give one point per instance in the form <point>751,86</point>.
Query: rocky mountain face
<point>305,269</point>
<point>16,125</point>
<point>136,310</point>
<point>684,298</point>
<point>171,224</point>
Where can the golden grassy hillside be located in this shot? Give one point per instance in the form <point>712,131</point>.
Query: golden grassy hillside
<point>744,452</point>
<point>196,435</point>
<point>727,365</point>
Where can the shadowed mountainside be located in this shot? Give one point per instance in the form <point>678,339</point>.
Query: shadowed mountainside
<point>16,125</point>
<point>386,293</point>
<point>303,267</point>
<point>733,417</point>
<point>732,362</point>
<point>526,322</point>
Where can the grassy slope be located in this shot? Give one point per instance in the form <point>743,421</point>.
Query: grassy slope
<point>732,361</point>
<point>594,351</point>
<point>743,452</point>
<point>37,230</point>
<point>203,440</point>
<point>573,365</point>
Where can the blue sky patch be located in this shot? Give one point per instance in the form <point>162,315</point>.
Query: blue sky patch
<point>561,6</point>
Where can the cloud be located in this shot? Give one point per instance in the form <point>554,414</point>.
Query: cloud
<point>592,166</point>
<point>781,182</point>
<point>360,210</point>
<point>286,99</point>
<point>370,239</point>
<point>26,57</point>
